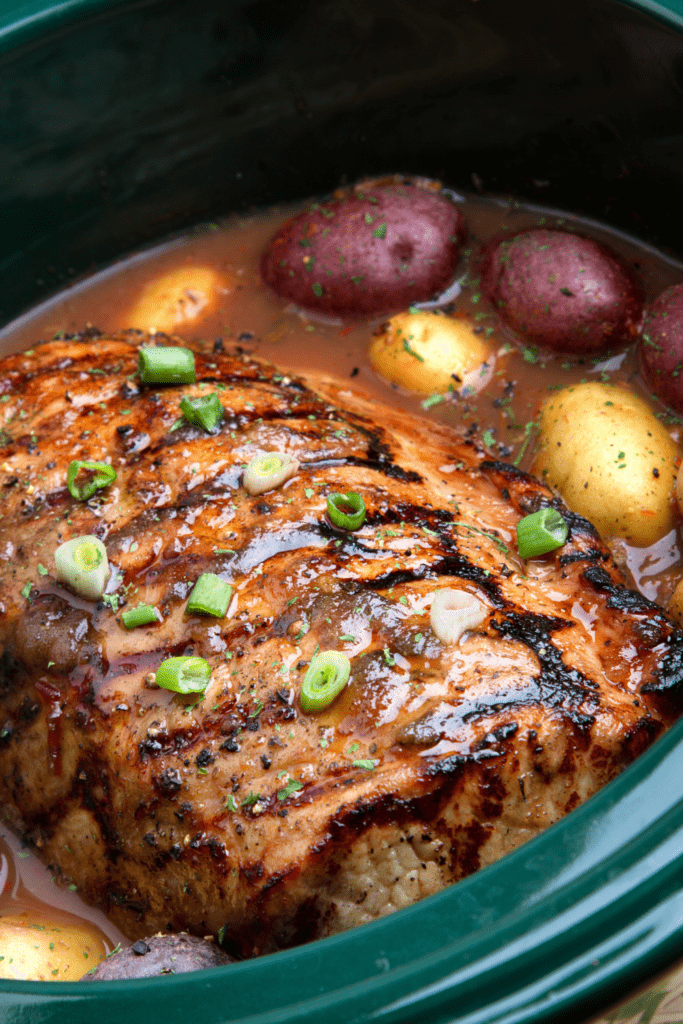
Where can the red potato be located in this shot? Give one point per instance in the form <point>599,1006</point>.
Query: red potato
<point>661,347</point>
<point>562,291</point>
<point>372,250</point>
<point>160,954</point>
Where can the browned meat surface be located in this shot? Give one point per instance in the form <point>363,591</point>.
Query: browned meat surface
<point>239,814</point>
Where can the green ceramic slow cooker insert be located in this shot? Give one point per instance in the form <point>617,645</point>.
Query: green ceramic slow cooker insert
<point>122,121</point>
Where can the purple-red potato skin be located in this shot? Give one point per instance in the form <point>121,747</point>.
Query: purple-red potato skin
<point>562,291</point>
<point>159,955</point>
<point>661,347</point>
<point>373,251</point>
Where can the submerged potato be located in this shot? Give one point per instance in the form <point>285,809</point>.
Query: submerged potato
<point>370,251</point>
<point>174,300</point>
<point>611,460</point>
<point>562,291</point>
<point>430,352</point>
<point>33,950</point>
<point>661,347</point>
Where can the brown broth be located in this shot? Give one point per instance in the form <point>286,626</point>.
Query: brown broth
<point>250,315</point>
<point>28,887</point>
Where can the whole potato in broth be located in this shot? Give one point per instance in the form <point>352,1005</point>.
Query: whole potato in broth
<point>430,352</point>
<point>611,460</point>
<point>32,949</point>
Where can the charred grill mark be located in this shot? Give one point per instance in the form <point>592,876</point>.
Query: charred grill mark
<point>399,576</point>
<point>389,469</point>
<point>592,555</point>
<point>582,727</point>
<point>620,597</point>
<point>640,736</point>
<point>559,684</point>
<point>576,523</point>
<point>409,514</point>
<point>452,766</point>
<point>91,783</point>
<point>505,469</point>
<point>669,681</point>
<point>457,565</point>
<point>538,497</point>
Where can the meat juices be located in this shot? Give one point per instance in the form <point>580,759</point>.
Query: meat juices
<point>239,812</point>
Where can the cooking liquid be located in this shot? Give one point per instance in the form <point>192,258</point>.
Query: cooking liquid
<point>251,316</point>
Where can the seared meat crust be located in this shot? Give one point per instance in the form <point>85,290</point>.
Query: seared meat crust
<point>238,814</point>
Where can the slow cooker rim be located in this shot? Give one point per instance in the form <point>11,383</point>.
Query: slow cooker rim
<point>642,882</point>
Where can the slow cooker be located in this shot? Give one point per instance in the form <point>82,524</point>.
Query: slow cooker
<point>123,121</point>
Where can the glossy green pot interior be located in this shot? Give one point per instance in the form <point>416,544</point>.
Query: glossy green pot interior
<point>121,122</point>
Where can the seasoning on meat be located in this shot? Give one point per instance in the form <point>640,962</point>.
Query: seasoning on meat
<point>273,825</point>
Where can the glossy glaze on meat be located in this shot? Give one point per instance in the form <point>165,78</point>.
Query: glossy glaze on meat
<point>238,814</point>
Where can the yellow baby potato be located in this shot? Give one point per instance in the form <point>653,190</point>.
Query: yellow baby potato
<point>174,300</point>
<point>422,352</point>
<point>675,606</point>
<point>611,460</point>
<point>679,493</point>
<point>34,950</point>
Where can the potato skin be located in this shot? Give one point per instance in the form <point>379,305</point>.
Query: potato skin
<point>562,291</point>
<point>675,605</point>
<point>370,251</point>
<point>174,300</point>
<point>429,352</point>
<point>160,954</point>
<point>611,460</point>
<point>660,351</point>
<point>36,949</point>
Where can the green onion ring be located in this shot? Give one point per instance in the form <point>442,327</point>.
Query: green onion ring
<point>346,511</point>
<point>82,564</point>
<point>326,677</point>
<point>103,475</point>
<point>210,596</point>
<point>269,470</point>
<point>165,364</point>
<point>143,615</point>
<point>541,532</point>
<point>206,411</point>
<point>184,675</point>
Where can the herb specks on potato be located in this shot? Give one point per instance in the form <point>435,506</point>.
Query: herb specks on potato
<point>611,460</point>
<point>370,250</point>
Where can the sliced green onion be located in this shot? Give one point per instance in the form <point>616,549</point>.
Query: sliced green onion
<point>268,471</point>
<point>453,612</point>
<point>205,411</point>
<point>325,679</point>
<point>102,476</point>
<point>140,616</point>
<point>210,596</point>
<point>347,511</point>
<point>82,563</point>
<point>184,675</point>
<point>541,532</point>
<point>162,364</point>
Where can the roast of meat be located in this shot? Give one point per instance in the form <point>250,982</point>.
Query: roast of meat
<point>237,814</point>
